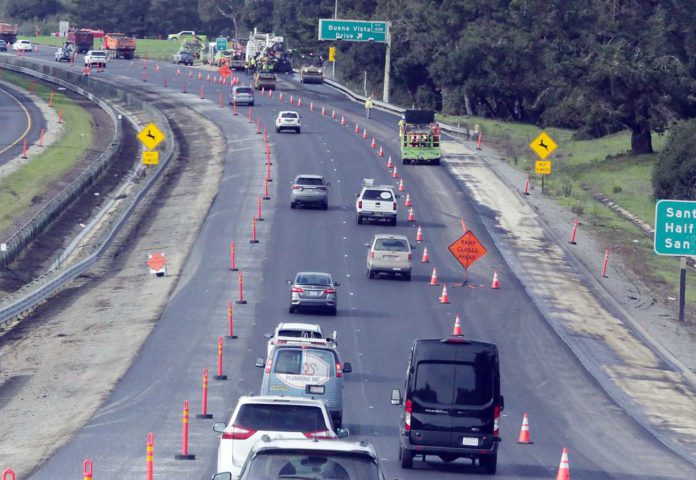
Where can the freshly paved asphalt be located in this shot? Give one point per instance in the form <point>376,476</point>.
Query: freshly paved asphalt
<point>20,119</point>
<point>377,320</point>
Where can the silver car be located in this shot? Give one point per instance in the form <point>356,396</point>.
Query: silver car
<point>242,95</point>
<point>309,190</point>
<point>389,254</point>
<point>313,290</point>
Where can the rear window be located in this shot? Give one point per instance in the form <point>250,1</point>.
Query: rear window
<point>454,383</point>
<point>314,362</point>
<point>298,334</point>
<point>391,244</point>
<point>309,181</point>
<point>377,195</point>
<point>313,279</point>
<point>289,115</point>
<point>312,465</point>
<point>243,90</point>
<point>281,418</point>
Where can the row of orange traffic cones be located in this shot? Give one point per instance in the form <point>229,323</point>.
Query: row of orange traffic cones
<point>495,284</point>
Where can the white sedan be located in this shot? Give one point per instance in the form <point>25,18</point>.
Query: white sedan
<point>22,45</point>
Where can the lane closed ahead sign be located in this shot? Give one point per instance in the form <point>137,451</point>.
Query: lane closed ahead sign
<point>675,227</point>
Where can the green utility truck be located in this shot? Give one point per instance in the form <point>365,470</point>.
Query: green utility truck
<point>420,137</point>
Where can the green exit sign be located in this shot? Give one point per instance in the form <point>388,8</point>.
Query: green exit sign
<point>220,44</point>
<point>353,30</point>
<point>675,227</point>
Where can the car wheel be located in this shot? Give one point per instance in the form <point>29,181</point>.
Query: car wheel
<point>251,104</point>
<point>297,130</point>
<point>293,205</point>
<point>370,273</point>
<point>489,463</point>
<point>337,421</point>
<point>359,219</point>
<point>325,206</point>
<point>292,309</point>
<point>436,161</point>
<point>405,161</point>
<point>406,458</point>
<point>407,277</point>
<point>277,130</point>
<point>392,222</point>
<point>333,311</point>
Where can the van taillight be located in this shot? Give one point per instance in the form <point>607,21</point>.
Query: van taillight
<point>407,417</point>
<point>238,433</point>
<point>297,290</point>
<point>269,364</point>
<point>410,256</point>
<point>329,290</point>
<point>339,370</point>
<point>496,416</point>
<point>323,434</point>
<point>359,203</point>
<point>394,206</point>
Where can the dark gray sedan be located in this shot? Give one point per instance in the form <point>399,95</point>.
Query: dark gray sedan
<point>183,56</point>
<point>313,290</point>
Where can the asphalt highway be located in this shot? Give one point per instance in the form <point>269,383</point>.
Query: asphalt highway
<point>20,119</point>
<point>376,322</point>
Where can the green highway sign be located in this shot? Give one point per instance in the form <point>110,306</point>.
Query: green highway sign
<point>353,30</point>
<point>220,44</point>
<point>675,227</point>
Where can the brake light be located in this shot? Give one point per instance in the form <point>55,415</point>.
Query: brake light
<point>296,187</point>
<point>297,290</point>
<point>323,434</point>
<point>372,254</point>
<point>394,206</point>
<point>407,417</point>
<point>339,370</point>
<point>321,188</point>
<point>410,256</point>
<point>238,433</point>
<point>269,364</point>
<point>359,203</point>
<point>329,290</point>
<point>496,416</point>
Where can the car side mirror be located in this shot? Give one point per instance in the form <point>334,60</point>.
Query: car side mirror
<point>259,362</point>
<point>289,282</point>
<point>342,432</point>
<point>396,397</point>
<point>397,195</point>
<point>357,195</point>
<point>337,284</point>
<point>222,476</point>
<point>347,367</point>
<point>218,427</point>
<point>328,184</point>
<point>267,335</point>
<point>367,245</point>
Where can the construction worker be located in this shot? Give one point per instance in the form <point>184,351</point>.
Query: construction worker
<point>368,106</point>
<point>402,125</point>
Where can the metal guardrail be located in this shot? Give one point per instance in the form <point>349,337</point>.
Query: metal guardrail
<point>40,289</point>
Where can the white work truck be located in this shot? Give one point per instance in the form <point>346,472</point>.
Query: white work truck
<point>376,202</point>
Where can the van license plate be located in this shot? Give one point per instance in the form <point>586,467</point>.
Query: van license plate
<point>470,442</point>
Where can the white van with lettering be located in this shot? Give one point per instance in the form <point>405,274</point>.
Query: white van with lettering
<point>306,371</point>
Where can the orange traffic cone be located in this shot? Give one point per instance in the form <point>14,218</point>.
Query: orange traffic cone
<point>292,100</point>
<point>299,102</point>
<point>190,74</point>
<point>457,330</point>
<point>373,144</point>
<point>157,68</point>
<point>364,135</point>
<point>524,431</point>
<point>411,216</point>
<point>395,174</point>
<point>390,164</point>
<point>178,71</point>
<point>433,278</point>
<point>311,106</point>
<point>419,234</point>
<point>401,182</point>
<point>343,121</point>
<point>208,79</point>
<point>357,129</point>
<point>426,257</point>
<point>444,298</point>
<point>563,468</point>
<point>408,201</point>
<point>323,110</point>
<point>270,93</point>
<point>495,284</point>
<point>381,152</point>
<point>200,75</point>
<point>263,90</point>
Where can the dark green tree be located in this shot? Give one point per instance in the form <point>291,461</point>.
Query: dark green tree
<point>674,176</point>
<point>28,9</point>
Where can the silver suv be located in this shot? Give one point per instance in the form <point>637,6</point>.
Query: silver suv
<point>288,120</point>
<point>389,254</point>
<point>242,95</point>
<point>310,190</point>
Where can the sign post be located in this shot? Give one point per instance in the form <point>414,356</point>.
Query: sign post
<point>467,249</point>
<point>150,136</point>
<point>675,235</point>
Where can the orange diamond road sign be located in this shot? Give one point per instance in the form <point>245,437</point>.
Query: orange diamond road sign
<point>224,71</point>
<point>156,262</point>
<point>467,249</point>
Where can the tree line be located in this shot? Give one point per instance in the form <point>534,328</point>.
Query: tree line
<point>596,66</point>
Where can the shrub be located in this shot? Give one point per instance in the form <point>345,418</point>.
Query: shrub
<point>674,175</point>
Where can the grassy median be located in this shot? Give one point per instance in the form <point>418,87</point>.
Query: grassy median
<point>154,49</point>
<point>581,167</point>
<point>28,185</point>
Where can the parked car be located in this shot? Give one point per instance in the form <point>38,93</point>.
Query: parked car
<point>313,290</point>
<point>22,46</point>
<point>389,254</point>
<point>309,371</point>
<point>288,120</point>
<point>376,202</point>
<point>300,459</point>
<point>3,46</point>
<point>241,95</point>
<point>183,56</point>
<point>309,190</point>
<point>272,416</point>
<point>452,402</point>
<point>63,54</point>
<point>95,58</point>
<point>181,34</point>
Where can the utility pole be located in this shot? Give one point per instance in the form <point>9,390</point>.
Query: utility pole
<point>333,64</point>
<point>387,64</point>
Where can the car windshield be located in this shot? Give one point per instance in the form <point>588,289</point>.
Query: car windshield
<point>313,465</point>
<point>454,383</point>
<point>391,244</point>
<point>309,181</point>
<point>281,418</point>
<point>243,90</point>
<point>288,115</point>
<point>312,279</point>
<point>309,361</point>
<point>377,195</point>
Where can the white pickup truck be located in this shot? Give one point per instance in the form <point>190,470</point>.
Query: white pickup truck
<point>376,202</point>
<point>95,57</point>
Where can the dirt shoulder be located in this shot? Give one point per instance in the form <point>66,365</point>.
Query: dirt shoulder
<point>59,365</point>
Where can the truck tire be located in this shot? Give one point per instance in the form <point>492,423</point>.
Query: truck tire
<point>489,463</point>
<point>359,219</point>
<point>406,458</point>
<point>436,161</point>
<point>406,161</point>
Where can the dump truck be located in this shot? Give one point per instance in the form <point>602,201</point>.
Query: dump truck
<point>82,39</point>
<point>119,45</point>
<point>8,32</point>
<point>419,137</point>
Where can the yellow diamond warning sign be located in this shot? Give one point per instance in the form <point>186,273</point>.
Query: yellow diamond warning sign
<point>151,136</point>
<point>543,145</point>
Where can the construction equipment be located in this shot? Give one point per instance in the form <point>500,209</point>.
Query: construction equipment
<point>119,45</point>
<point>8,32</point>
<point>265,80</point>
<point>82,39</point>
<point>312,70</point>
<point>419,137</point>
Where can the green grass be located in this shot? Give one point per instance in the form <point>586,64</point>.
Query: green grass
<point>603,165</point>
<point>154,49</point>
<point>27,185</point>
